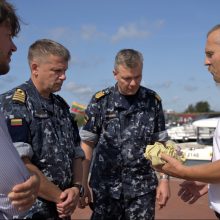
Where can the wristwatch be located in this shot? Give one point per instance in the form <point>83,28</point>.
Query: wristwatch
<point>165,176</point>
<point>81,189</point>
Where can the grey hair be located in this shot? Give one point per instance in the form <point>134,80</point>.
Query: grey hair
<point>44,47</point>
<point>216,27</point>
<point>129,58</point>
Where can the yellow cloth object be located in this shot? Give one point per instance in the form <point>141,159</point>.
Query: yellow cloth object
<point>153,152</point>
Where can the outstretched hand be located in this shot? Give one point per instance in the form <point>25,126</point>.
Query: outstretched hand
<point>191,191</point>
<point>172,167</point>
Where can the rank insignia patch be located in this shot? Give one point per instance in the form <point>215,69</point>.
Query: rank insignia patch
<point>19,96</point>
<point>16,122</point>
<point>86,118</point>
<point>157,97</point>
<point>99,94</point>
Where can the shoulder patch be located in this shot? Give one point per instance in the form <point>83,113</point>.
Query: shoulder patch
<point>19,96</point>
<point>157,97</point>
<point>86,118</point>
<point>100,94</point>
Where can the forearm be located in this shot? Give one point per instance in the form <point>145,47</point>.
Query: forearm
<point>48,190</point>
<point>88,149</point>
<point>77,170</point>
<point>208,173</point>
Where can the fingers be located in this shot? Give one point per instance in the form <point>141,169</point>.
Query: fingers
<point>24,195</point>
<point>22,201</point>
<point>84,201</point>
<point>32,184</point>
<point>165,157</point>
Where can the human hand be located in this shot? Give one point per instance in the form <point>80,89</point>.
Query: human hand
<point>163,193</point>
<point>172,167</point>
<point>69,198</point>
<point>85,200</point>
<point>24,195</point>
<point>191,191</point>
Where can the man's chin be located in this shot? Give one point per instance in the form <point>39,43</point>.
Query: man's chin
<point>4,70</point>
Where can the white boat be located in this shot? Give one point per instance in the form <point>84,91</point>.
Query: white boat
<point>198,152</point>
<point>186,132</point>
<point>201,150</point>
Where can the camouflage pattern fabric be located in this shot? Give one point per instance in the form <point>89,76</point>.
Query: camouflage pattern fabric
<point>138,208</point>
<point>122,126</point>
<point>48,128</point>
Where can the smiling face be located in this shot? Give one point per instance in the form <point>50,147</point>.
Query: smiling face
<point>212,52</point>
<point>48,74</point>
<point>6,48</point>
<point>128,79</point>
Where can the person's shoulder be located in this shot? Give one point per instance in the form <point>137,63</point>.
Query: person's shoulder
<point>16,95</point>
<point>61,101</point>
<point>149,92</point>
<point>102,93</point>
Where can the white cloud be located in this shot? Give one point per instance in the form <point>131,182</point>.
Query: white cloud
<point>62,33</point>
<point>130,31</point>
<point>89,32</point>
<point>81,90</point>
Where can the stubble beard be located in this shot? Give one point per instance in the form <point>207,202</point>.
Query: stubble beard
<point>4,69</point>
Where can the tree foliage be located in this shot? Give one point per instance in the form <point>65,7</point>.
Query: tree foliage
<point>202,106</point>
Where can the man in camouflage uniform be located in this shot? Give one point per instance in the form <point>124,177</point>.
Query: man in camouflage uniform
<point>120,122</point>
<point>44,133</point>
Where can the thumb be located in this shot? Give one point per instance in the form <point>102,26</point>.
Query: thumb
<point>63,195</point>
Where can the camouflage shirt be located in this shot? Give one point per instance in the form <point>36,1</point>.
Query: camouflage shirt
<point>44,130</point>
<point>122,126</point>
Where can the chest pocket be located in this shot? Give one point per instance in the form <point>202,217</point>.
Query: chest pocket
<point>143,124</point>
<point>111,128</point>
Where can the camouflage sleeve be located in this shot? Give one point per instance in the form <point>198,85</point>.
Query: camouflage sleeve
<point>24,149</point>
<point>92,128</point>
<point>160,133</point>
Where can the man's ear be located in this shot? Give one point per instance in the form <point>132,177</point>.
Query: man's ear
<point>34,69</point>
<point>115,74</point>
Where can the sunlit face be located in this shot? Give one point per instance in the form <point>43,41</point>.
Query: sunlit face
<point>212,52</point>
<point>128,79</point>
<point>49,74</point>
<point>6,48</point>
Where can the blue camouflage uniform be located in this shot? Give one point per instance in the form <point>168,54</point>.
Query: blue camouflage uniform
<point>43,130</point>
<point>122,180</point>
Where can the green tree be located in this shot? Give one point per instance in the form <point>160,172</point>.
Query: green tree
<point>202,107</point>
<point>199,107</point>
<point>190,109</point>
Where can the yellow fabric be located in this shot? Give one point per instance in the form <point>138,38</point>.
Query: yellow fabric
<point>153,152</point>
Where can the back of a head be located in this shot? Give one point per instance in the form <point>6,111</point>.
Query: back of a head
<point>129,58</point>
<point>45,47</point>
<point>8,17</point>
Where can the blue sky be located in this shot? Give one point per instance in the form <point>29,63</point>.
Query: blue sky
<point>171,35</point>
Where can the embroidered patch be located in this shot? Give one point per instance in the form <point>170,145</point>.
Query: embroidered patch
<point>86,118</point>
<point>16,122</point>
<point>99,94</point>
<point>19,96</point>
<point>157,97</point>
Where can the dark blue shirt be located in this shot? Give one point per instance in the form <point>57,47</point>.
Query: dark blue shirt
<point>122,127</point>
